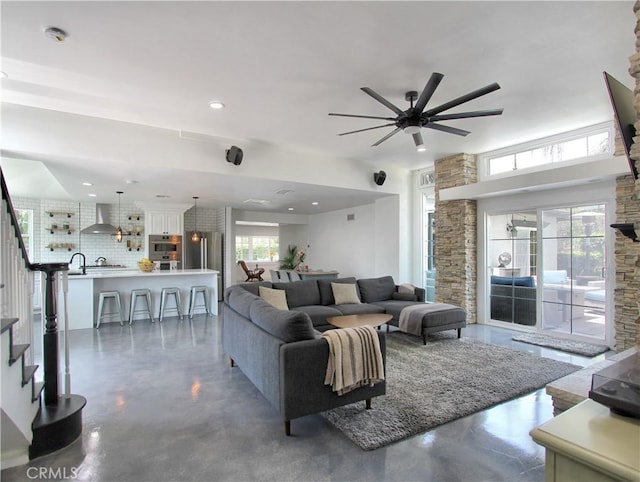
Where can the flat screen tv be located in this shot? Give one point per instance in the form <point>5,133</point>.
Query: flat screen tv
<point>624,114</point>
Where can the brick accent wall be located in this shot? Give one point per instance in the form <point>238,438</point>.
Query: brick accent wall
<point>455,236</point>
<point>627,253</point>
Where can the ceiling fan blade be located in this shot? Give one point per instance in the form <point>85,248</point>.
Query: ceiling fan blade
<point>382,100</point>
<point>367,129</point>
<point>395,131</point>
<point>417,138</point>
<point>450,130</point>
<point>464,115</point>
<point>461,100</point>
<point>428,91</point>
<point>364,116</point>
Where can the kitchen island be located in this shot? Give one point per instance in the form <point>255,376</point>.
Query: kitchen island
<point>84,292</point>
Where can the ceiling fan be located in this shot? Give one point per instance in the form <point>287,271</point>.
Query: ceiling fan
<point>415,117</point>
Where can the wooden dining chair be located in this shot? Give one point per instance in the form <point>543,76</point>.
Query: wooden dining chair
<point>252,274</point>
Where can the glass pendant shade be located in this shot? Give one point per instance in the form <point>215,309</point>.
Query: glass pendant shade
<point>119,234</point>
<point>195,236</point>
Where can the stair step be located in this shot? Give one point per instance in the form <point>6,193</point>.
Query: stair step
<point>7,323</point>
<point>27,373</point>
<point>36,390</point>
<point>56,426</point>
<point>16,352</point>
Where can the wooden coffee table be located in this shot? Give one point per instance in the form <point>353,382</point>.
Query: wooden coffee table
<point>353,321</point>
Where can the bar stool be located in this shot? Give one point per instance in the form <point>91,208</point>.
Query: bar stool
<point>192,299</point>
<point>106,296</point>
<point>163,301</point>
<point>145,293</point>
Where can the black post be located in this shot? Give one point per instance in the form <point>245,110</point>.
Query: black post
<point>50,340</point>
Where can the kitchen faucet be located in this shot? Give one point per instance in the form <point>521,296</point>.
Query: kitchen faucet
<point>84,261</point>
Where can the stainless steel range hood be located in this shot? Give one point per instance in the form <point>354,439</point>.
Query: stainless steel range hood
<point>101,226</point>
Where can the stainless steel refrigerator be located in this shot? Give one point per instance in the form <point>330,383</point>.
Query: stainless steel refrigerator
<point>208,253</point>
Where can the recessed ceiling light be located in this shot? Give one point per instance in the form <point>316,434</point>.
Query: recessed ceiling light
<point>216,104</point>
<point>289,209</point>
<point>315,203</point>
<point>87,184</point>
<point>92,195</point>
<point>55,34</point>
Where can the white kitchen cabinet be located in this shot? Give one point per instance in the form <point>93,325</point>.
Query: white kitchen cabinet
<point>157,222</point>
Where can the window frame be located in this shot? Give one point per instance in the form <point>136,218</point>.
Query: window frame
<point>485,158</point>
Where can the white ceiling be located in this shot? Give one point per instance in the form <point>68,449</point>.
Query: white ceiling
<point>281,67</point>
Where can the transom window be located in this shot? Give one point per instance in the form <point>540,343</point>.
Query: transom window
<point>573,146</point>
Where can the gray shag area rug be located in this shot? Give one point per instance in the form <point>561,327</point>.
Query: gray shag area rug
<point>569,346</point>
<point>447,379</point>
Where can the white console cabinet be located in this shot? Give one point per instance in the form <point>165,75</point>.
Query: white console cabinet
<point>589,443</point>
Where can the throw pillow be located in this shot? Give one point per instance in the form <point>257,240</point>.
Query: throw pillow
<point>277,298</point>
<point>404,296</point>
<point>345,293</point>
<point>406,288</point>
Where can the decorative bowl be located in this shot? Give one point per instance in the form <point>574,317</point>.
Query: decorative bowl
<point>146,267</point>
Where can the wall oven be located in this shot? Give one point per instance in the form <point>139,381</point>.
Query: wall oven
<point>165,251</point>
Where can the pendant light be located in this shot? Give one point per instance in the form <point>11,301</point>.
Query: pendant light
<point>195,236</point>
<point>119,233</point>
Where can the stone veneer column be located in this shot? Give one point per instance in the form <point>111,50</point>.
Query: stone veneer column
<point>627,253</point>
<point>455,236</point>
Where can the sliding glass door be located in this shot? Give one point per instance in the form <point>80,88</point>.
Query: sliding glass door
<point>547,270</point>
<point>573,281</point>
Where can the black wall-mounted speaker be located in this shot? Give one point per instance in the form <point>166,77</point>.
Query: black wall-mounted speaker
<point>234,155</point>
<point>379,177</point>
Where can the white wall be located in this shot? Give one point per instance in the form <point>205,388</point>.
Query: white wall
<point>367,246</point>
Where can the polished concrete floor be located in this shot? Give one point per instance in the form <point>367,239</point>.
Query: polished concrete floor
<point>164,405</point>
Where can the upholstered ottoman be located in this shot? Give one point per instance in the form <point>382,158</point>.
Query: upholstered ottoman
<point>426,318</point>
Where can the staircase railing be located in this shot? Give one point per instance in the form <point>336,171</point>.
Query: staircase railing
<point>17,279</point>
<point>16,274</point>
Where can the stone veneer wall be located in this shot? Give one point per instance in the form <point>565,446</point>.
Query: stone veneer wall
<point>627,253</point>
<point>455,236</point>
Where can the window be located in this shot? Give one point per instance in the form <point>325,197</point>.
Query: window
<point>25,223</point>
<point>573,146</point>
<point>257,248</point>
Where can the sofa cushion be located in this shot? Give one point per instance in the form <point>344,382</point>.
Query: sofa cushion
<point>345,293</point>
<point>527,281</point>
<point>288,326</point>
<point>358,309</point>
<point>255,287</point>
<point>376,289</point>
<point>318,313</point>
<point>300,293</point>
<point>556,277</point>
<point>326,293</point>
<point>240,300</point>
<point>277,298</point>
<point>404,296</point>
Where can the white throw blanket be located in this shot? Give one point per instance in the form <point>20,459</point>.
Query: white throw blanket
<point>410,320</point>
<point>355,358</point>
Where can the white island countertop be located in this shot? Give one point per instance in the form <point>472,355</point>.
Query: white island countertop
<point>135,272</point>
<point>84,292</point>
